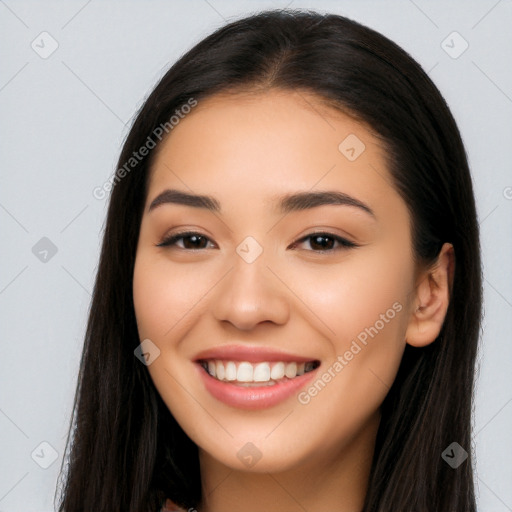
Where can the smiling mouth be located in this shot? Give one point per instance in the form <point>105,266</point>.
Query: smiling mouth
<point>243,373</point>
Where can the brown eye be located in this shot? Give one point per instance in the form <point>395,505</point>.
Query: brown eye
<point>191,241</point>
<point>326,242</point>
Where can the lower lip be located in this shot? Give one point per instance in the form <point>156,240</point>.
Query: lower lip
<point>255,397</point>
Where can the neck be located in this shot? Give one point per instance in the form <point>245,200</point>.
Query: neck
<point>334,480</point>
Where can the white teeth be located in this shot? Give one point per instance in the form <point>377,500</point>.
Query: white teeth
<point>245,373</point>
<point>291,370</point>
<point>220,372</point>
<point>277,371</point>
<point>261,372</point>
<point>230,371</point>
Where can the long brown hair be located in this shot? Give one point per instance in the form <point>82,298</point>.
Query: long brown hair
<point>126,451</point>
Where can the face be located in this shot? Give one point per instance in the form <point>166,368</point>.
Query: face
<point>304,303</point>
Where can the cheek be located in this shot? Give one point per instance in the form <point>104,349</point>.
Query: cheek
<point>351,296</point>
<point>165,295</point>
<point>362,306</point>
<point>167,299</point>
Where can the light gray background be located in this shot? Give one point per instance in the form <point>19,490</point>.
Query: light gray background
<point>63,119</point>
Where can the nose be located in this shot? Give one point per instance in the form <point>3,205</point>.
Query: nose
<point>251,294</point>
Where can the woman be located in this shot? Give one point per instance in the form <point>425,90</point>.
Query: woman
<point>288,299</point>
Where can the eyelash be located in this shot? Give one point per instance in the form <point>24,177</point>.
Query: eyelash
<point>343,243</point>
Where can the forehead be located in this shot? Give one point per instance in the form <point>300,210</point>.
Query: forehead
<point>281,115</point>
<point>258,145</point>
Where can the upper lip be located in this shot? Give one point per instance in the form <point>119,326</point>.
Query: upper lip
<point>251,354</point>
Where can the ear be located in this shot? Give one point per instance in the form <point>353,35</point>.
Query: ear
<point>431,299</point>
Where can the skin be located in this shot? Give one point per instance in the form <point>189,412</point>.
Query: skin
<point>244,149</point>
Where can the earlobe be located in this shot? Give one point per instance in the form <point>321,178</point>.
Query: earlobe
<point>431,299</point>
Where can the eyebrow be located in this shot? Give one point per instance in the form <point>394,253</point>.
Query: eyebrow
<point>286,203</point>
